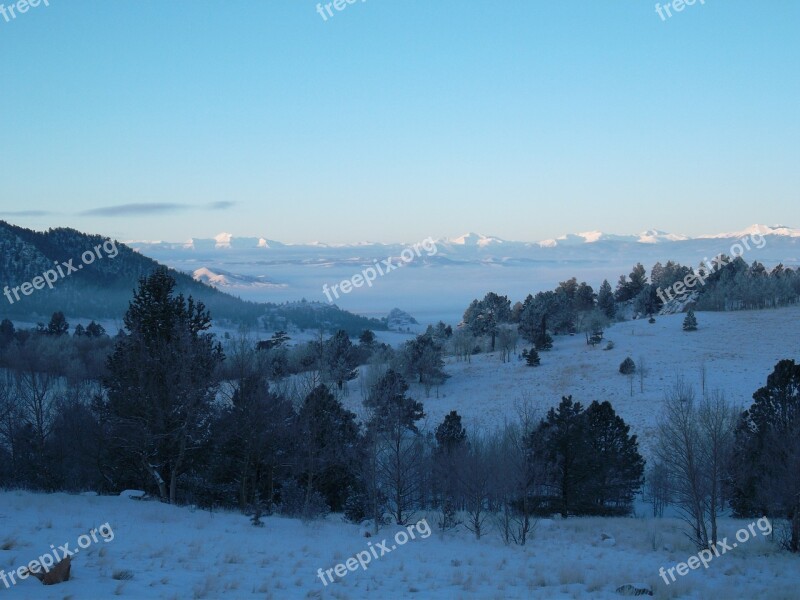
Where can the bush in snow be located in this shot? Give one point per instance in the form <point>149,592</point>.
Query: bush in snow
<point>628,367</point>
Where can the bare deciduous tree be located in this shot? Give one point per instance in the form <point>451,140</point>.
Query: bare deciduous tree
<point>694,442</point>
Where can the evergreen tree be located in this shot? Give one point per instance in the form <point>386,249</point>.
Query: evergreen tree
<point>767,452</point>
<point>590,459</point>
<point>367,338</point>
<point>58,324</point>
<point>253,435</point>
<point>560,440</point>
<point>531,357</point>
<point>605,300</point>
<point>542,340</point>
<point>392,408</point>
<point>339,359</point>
<point>630,288</point>
<point>422,358</point>
<point>690,322</point>
<point>328,436</point>
<point>394,448</point>
<point>160,386</point>
<point>7,332</point>
<point>627,367</point>
<point>485,316</point>
<point>95,330</point>
<point>450,434</point>
<point>616,467</point>
<point>448,462</point>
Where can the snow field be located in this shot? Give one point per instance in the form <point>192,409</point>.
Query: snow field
<point>175,553</point>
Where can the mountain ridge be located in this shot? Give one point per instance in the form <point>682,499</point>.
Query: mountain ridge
<point>104,289</point>
<point>470,239</point>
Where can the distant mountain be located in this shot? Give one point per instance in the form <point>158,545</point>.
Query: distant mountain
<point>103,286</point>
<point>226,279</point>
<point>251,262</point>
<point>438,282</point>
<point>467,242</point>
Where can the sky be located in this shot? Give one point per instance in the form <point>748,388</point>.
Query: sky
<point>395,120</point>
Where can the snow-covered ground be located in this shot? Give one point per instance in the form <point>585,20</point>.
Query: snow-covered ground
<point>162,551</point>
<point>738,349</point>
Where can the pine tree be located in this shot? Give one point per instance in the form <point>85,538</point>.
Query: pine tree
<point>367,338</point>
<point>450,434</point>
<point>95,330</point>
<point>7,332</point>
<point>767,452</point>
<point>328,440</point>
<point>605,300</point>
<point>485,316</point>
<point>531,357</point>
<point>628,367</point>
<point>422,359</point>
<point>397,445</point>
<point>690,322</point>
<point>448,461</point>
<point>58,324</point>
<point>542,340</point>
<point>591,460</point>
<point>160,386</point>
<point>339,359</point>
<point>616,467</point>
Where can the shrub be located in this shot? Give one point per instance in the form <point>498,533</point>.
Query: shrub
<point>293,502</point>
<point>355,507</point>
<point>628,367</point>
<point>531,357</point>
<point>690,322</point>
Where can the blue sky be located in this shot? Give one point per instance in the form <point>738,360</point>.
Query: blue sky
<point>396,120</point>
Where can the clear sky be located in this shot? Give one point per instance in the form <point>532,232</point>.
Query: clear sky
<point>395,120</point>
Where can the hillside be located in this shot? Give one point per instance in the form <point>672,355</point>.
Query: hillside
<point>103,286</point>
<point>738,350</point>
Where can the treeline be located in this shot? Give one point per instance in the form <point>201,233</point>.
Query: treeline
<point>316,315</point>
<point>572,307</point>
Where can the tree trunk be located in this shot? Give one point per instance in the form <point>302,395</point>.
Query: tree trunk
<point>162,486</point>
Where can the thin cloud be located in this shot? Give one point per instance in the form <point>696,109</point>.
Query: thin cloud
<point>152,208</point>
<point>143,208</point>
<point>222,205</point>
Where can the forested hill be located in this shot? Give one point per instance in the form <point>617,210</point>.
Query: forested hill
<point>103,288</point>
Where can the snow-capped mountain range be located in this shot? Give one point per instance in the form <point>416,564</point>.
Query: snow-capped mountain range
<point>227,241</point>
<point>456,269</point>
